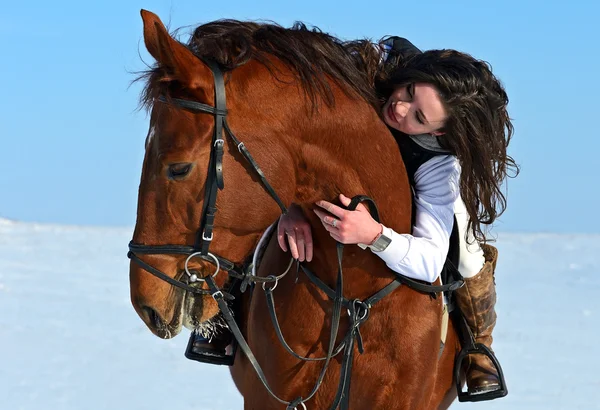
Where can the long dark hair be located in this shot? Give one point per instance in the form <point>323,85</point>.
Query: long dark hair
<point>478,129</point>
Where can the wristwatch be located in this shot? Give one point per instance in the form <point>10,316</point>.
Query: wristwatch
<point>381,241</point>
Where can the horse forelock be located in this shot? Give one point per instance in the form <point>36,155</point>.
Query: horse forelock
<point>316,59</point>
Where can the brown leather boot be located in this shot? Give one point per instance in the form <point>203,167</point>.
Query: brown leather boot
<point>476,300</point>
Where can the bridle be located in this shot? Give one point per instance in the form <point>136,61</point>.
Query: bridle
<point>214,183</point>
<point>358,310</point>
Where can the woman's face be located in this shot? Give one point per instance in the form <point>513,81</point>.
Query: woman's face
<point>415,108</point>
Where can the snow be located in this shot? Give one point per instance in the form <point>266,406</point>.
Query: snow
<point>70,338</point>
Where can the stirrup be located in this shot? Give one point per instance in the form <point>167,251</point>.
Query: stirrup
<point>463,396</point>
<point>200,350</point>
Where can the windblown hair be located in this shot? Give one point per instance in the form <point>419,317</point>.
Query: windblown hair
<point>315,58</point>
<point>478,129</point>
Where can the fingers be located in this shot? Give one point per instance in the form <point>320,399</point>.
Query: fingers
<point>334,232</point>
<point>361,207</point>
<point>332,209</point>
<point>335,236</point>
<point>330,228</point>
<point>291,237</point>
<point>345,200</point>
<point>326,219</point>
<point>322,215</point>
<point>294,233</point>
<point>331,224</point>
<point>281,236</point>
<point>300,244</point>
<point>308,243</point>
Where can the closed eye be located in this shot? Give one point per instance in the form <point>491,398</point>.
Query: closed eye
<point>419,119</point>
<point>179,171</point>
<point>410,90</point>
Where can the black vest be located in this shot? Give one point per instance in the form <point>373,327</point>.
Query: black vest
<point>414,156</point>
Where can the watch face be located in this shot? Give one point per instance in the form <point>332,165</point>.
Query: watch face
<point>381,243</point>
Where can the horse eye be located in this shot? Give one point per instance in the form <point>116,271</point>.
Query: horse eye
<point>179,171</point>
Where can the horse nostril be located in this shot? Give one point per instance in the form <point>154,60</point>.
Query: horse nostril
<point>154,318</point>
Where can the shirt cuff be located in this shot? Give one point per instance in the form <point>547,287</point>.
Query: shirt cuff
<point>396,250</point>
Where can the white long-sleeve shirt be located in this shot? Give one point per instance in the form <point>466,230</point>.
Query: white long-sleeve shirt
<point>437,200</point>
<point>422,254</point>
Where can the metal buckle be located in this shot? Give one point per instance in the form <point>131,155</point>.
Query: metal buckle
<point>274,278</point>
<point>219,141</point>
<point>210,238</point>
<point>361,308</point>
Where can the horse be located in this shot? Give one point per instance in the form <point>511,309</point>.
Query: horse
<point>267,116</point>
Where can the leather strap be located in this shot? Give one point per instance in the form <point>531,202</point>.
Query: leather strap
<point>174,282</point>
<point>278,331</point>
<point>219,297</point>
<point>244,151</point>
<point>191,105</point>
<point>225,264</point>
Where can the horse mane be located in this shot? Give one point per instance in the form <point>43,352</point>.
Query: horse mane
<point>315,58</point>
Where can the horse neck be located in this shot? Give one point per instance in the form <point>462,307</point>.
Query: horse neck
<point>356,157</point>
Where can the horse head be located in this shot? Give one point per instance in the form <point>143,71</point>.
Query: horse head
<point>300,104</point>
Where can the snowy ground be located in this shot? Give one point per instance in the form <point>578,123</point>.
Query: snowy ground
<point>69,338</point>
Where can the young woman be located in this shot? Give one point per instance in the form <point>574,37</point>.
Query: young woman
<point>449,115</point>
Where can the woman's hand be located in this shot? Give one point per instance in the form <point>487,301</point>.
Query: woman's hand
<point>295,226</point>
<point>348,227</point>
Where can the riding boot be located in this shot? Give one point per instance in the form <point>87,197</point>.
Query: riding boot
<point>476,300</point>
<point>213,351</point>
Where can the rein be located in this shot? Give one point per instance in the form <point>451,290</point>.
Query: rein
<point>358,310</point>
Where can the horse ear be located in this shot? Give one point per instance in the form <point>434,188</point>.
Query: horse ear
<point>180,63</point>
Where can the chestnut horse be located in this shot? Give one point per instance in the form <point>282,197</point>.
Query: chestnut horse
<point>302,104</point>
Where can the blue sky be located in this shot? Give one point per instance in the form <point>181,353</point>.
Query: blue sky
<point>72,140</point>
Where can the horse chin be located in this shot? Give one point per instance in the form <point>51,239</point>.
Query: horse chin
<point>211,327</point>
<point>168,332</point>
